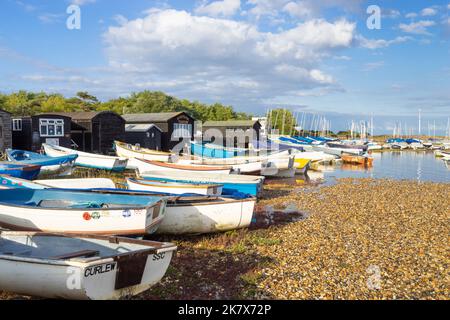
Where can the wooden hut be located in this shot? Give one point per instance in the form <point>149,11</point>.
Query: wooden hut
<point>5,130</point>
<point>175,126</point>
<point>146,135</point>
<point>96,131</point>
<point>231,132</point>
<point>28,133</point>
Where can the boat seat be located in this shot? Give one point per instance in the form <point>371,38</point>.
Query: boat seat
<point>77,254</point>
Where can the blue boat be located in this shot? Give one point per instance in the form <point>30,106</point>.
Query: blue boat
<point>48,164</point>
<point>231,183</point>
<point>210,150</point>
<point>20,170</point>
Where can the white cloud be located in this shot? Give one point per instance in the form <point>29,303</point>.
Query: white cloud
<point>419,27</point>
<point>448,6</point>
<point>411,15</point>
<point>242,63</point>
<point>370,66</point>
<point>300,8</point>
<point>297,9</point>
<point>427,12</point>
<point>379,43</point>
<point>390,13</point>
<point>224,8</point>
<point>81,2</point>
<point>50,17</point>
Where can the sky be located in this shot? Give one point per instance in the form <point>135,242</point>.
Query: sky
<point>327,57</point>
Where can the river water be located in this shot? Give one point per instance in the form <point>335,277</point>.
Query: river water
<point>419,166</point>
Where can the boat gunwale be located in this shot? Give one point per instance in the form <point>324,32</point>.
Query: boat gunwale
<point>140,207</point>
<point>154,247</point>
<point>181,185</point>
<point>187,167</point>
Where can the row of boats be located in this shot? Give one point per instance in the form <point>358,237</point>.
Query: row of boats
<point>64,237</point>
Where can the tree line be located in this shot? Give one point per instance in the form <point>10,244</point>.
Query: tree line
<point>24,103</point>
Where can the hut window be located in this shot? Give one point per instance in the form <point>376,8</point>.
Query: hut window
<point>51,127</point>
<point>182,130</point>
<point>1,131</point>
<point>17,124</point>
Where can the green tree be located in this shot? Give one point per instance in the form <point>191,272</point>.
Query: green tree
<point>282,120</point>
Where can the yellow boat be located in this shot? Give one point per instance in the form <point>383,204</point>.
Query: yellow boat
<point>301,165</point>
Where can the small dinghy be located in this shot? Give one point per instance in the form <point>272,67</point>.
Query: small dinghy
<point>148,165</point>
<point>88,160</point>
<point>194,214</point>
<point>80,267</point>
<point>7,182</point>
<point>48,164</point>
<point>130,151</point>
<point>360,160</point>
<point>231,182</point>
<point>20,170</point>
<point>174,187</point>
<point>73,211</point>
<point>185,214</point>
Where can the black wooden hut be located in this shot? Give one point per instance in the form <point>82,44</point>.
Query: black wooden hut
<point>29,133</point>
<point>146,135</point>
<point>5,130</point>
<point>96,131</point>
<point>175,126</point>
<point>231,131</point>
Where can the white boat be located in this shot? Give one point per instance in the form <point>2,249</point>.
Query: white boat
<point>68,211</point>
<point>88,160</point>
<point>337,151</point>
<point>79,266</point>
<point>207,216</point>
<point>187,214</point>
<point>148,165</point>
<point>174,187</point>
<point>132,151</point>
<point>416,146</point>
<point>241,183</point>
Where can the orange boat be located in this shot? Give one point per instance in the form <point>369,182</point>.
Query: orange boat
<point>361,160</point>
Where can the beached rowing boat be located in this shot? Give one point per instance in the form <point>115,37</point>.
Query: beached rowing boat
<point>48,164</point>
<point>132,151</point>
<point>88,160</point>
<point>174,187</point>
<point>231,182</point>
<point>80,266</point>
<point>148,165</point>
<point>186,214</point>
<point>70,211</point>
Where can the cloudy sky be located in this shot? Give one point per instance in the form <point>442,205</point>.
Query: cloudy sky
<point>315,56</point>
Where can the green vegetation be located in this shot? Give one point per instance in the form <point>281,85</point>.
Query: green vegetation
<point>282,120</point>
<point>23,103</point>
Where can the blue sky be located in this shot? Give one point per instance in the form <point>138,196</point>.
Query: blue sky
<point>315,56</point>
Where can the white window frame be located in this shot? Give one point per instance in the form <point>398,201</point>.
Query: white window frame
<point>17,124</point>
<point>182,130</point>
<point>57,123</point>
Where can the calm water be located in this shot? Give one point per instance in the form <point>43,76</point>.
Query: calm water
<point>418,166</point>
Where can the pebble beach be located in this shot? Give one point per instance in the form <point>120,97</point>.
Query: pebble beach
<point>357,239</point>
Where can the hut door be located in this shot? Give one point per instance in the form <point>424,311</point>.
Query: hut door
<point>96,137</point>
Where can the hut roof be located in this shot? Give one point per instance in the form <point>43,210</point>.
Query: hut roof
<point>140,127</point>
<point>150,117</point>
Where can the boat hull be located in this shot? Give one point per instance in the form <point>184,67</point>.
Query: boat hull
<point>123,150</point>
<point>145,165</point>
<point>84,279</point>
<point>231,183</point>
<point>173,188</point>
<point>89,160</point>
<point>208,217</point>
